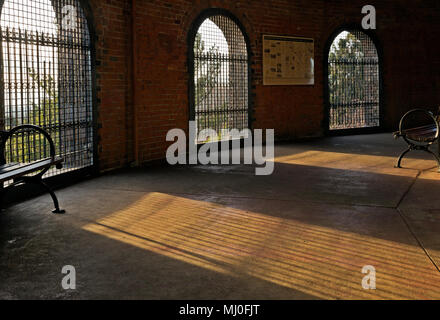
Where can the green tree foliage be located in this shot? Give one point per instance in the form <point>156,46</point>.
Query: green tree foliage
<point>207,66</point>
<point>346,73</point>
<point>45,113</point>
<point>32,146</point>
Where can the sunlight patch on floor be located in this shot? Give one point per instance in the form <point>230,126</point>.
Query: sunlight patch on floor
<point>358,162</point>
<point>316,260</point>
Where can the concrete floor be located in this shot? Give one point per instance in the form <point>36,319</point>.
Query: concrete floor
<point>331,207</point>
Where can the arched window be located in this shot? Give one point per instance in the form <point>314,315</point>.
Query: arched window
<point>353,82</point>
<point>220,76</point>
<point>46,75</point>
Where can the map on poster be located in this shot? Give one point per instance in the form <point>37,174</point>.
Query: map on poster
<point>288,60</point>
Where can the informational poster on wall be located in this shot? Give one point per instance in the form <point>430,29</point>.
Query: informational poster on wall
<point>288,60</point>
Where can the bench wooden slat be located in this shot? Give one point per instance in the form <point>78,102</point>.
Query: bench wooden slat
<point>13,170</point>
<point>421,134</point>
<point>428,129</point>
<point>426,132</point>
<point>8,166</point>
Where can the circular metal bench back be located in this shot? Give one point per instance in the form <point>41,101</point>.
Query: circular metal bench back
<point>25,144</point>
<point>430,120</point>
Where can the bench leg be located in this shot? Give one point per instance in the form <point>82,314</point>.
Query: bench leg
<point>54,198</point>
<point>401,157</point>
<point>37,180</point>
<point>438,153</point>
<point>52,194</point>
<point>436,158</point>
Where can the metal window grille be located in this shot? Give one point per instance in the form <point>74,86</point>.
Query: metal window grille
<point>46,79</point>
<point>353,82</point>
<point>220,77</point>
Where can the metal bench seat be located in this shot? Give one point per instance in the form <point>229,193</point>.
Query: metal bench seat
<point>419,137</point>
<point>21,172</point>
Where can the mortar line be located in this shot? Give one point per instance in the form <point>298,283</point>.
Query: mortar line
<point>408,189</point>
<point>257,198</point>
<point>402,216</point>
<point>417,239</point>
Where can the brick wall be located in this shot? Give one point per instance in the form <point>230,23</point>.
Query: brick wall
<point>143,78</point>
<point>113,43</point>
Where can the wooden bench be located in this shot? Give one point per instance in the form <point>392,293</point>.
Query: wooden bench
<point>419,137</point>
<point>20,172</point>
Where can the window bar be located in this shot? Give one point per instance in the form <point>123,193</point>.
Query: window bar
<point>44,103</point>
<point>16,88</point>
<point>354,85</point>
<point>26,71</point>
<point>8,125</point>
<point>57,67</point>
<point>78,101</point>
<point>223,102</point>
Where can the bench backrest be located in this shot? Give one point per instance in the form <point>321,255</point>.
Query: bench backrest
<point>25,144</point>
<point>437,117</point>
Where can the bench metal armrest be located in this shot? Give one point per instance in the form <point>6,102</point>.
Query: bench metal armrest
<point>406,115</point>
<point>397,134</point>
